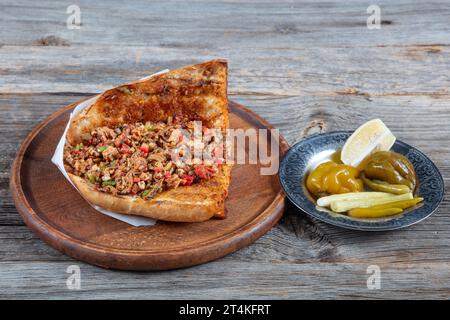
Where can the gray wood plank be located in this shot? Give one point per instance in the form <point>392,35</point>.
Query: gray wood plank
<point>213,24</point>
<point>375,70</point>
<point>47,280</point>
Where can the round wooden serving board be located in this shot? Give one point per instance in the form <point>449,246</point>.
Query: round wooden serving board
<point>58,214</point>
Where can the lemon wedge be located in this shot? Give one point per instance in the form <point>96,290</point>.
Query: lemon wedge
<point>370,137</point>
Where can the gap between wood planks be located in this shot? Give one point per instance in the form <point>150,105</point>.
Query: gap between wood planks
<point>444,93</point>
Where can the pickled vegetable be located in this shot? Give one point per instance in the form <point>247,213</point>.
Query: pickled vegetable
<point>333,178</point>
<point>342,206</point>
<point>384,209</point>
<point>392,168</point>
<point>384,186</point>
<point>373,213</point>
<point>403,204</point>
<point>314,183</point>
<point>326,201</point>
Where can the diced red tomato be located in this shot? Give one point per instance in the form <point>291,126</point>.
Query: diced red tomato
<point>200,172</point>
<point>144,148</point>
<point>136,179</point>
<point>134,189</point>
<point>187,180</point>
<point>157,169</point>
<point>203,172</point>
<point>167,175</point>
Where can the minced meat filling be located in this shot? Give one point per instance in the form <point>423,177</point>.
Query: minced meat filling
<point>137,159</point>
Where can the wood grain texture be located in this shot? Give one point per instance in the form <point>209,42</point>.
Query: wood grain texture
<point>305,66</point>
<point>58,214</point>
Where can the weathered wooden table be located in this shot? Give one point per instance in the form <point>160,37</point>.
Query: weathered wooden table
<point>306,67</point>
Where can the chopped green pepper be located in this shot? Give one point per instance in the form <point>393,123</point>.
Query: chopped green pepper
<point>146,192</point>
<point>149,127</point>
<point>91,178</point>
<point>150,192</point>
<point>102,148</point>
<point>108,183</point>
<point>79,146</point>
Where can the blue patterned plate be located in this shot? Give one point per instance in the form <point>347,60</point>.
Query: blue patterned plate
<point>307,154</point>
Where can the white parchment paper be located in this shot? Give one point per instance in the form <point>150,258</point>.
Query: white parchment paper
<point>57,159</point>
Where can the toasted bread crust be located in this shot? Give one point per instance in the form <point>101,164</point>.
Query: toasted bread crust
<point>197,92</point>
